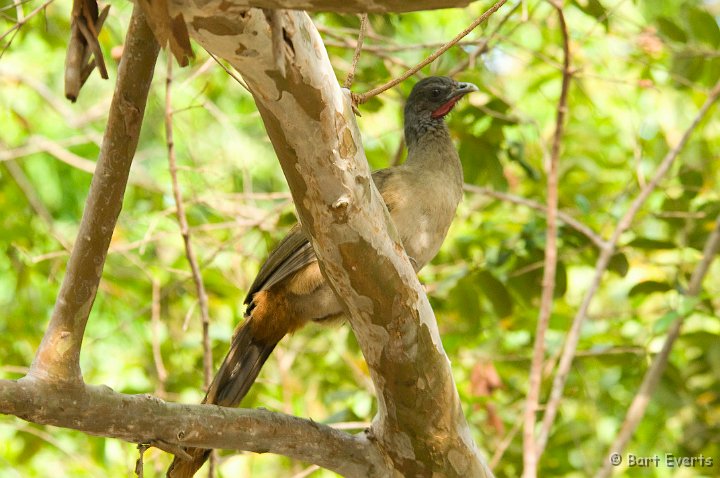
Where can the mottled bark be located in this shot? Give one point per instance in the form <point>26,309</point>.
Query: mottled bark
<point>348,6</point>
<point>420,427</point>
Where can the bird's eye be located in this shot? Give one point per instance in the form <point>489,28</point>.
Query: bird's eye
<point>435,93</point>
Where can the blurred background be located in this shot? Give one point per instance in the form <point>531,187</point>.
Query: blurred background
<point>643,70</point>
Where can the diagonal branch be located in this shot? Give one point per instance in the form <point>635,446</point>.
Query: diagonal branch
<point>652,377</point>
<point>601,265</point>
<point>58,356</point>
<point>420,425</point>
<point>570,221</point>
<point>364,97</point>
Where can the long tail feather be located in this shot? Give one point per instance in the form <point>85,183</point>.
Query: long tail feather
<point>236,375</point>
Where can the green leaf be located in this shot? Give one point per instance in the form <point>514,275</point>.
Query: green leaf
<point>649,287</point>
<point>496,292</point>
<point>481,164</point>
<point>619,264</point>
<point>647,243</point>
<point>692,181</point>
<point>663,323</point>
<point>594,9</point>
<point>702,26</point>
<point>670,30</point>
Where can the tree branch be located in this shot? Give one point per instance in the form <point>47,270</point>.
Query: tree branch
<point>185,232</point>
<point>530,454</point>
<point>420,426</point>
<point>350,6</point>
<point>601,265</point>
<point>146,419</point>
<point>637,408</point>
<point>563,216</point>
<point>58,355</point>
<point>187,242</point>
<point>364,97</point>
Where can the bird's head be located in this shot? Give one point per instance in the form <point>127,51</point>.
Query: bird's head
<point>429,101</point>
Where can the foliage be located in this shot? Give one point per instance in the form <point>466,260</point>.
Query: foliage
<point>643,68</point>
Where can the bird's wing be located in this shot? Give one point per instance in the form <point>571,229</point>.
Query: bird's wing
<point>383,179</point>
<point>295,252</point>
<point>291,254</point>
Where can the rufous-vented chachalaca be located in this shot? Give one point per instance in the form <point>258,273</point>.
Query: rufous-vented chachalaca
<point>289,291</point>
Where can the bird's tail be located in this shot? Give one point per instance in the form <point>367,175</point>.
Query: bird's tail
<point>236,375</point>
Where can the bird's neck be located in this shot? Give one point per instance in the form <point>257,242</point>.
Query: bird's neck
<point>418,130</point>
<point>430,148</point>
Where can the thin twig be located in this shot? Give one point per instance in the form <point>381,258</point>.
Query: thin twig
<point>563,216</point>
<point>504,445</point>
<point>359,99</point>
<point>19,24</point>
<point>530,455</point>
<point>601,265</point>
<point>232,74</point>
<point>139,463</point>
<point>358,48</point>
<point>189,252</point>
<point>306,472</point>
<point>483,47</point>
<point>636,411</point>
<point>155,337</point>
<point>36,202</point>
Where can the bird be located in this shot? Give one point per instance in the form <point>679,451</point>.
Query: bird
<point>289,291</point>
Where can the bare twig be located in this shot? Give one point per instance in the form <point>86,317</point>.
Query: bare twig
<point>530,455</point>
<point>35,202</point>
<point>652,377</point>
<point>22,20</point>
<point>504,444</point>
<point>189,251</point>
<point>563,216</point>
<point>482,47</point>
<point>58,356</point>
<point>358,48</point>
<point>359,99</point>
<point>139,463</point>
<point>601,265</point>
<point>231,73</point>
<point>155,327</point>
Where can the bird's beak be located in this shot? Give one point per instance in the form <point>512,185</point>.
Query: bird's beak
<point>463,89</point>
<point>458,92</point>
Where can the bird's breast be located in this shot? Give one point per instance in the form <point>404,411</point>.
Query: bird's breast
<point>430,217</point>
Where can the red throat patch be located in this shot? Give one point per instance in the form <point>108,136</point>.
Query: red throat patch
<point>445,108</point>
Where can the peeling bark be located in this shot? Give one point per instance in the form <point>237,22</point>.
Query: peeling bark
<point>420,427</point>
<point>348,6</point>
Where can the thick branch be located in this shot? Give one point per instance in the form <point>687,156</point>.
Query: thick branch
<point>59,353</point>
<point>146,419</point>
<point>420,426</point>
<point>348,6</point>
